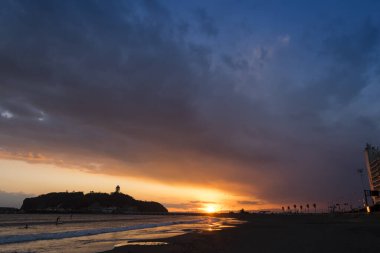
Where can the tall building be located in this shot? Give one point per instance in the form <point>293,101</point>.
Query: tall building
<point>372,160</point>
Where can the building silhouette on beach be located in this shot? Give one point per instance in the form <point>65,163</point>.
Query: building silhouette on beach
<point>372,160</point>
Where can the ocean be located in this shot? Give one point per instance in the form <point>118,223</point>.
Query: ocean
<point>82,233</point>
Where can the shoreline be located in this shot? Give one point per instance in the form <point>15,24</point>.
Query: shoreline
<point>276,233</point>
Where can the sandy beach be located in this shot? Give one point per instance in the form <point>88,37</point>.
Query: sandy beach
<point>278,233</point>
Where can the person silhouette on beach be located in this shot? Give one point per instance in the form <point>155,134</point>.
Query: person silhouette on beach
<point>58,220</point>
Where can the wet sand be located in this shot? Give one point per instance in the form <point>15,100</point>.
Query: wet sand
<point>278,233</point>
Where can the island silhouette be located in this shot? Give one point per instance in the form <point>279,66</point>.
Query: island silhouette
<point>93,202</point>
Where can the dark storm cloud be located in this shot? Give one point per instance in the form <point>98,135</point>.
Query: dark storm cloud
<point>206,22</point>
<point>235,64</point>
<point>350,57</point>
<point>126,85</point>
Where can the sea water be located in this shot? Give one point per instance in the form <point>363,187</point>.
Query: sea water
<point>94,233</point>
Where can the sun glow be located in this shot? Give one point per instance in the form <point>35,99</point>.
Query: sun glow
<point>19,176</point>
<point>210,208</point>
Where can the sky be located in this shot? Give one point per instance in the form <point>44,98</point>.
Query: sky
<point>230,104</point>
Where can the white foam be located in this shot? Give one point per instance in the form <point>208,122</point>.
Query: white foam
<point>88,232</point>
